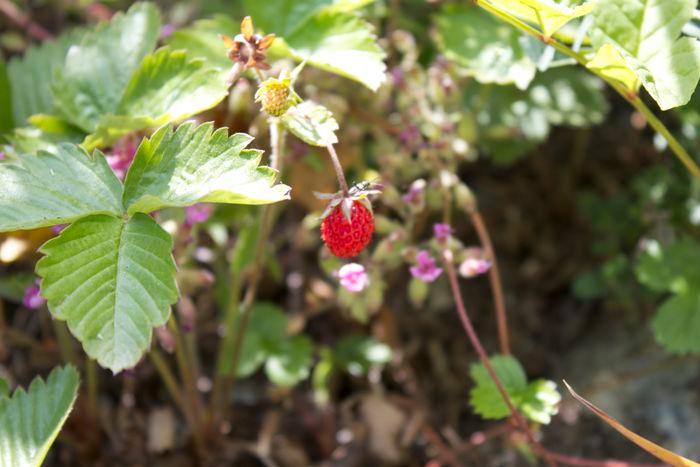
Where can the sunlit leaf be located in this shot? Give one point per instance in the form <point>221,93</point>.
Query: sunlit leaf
<point>643,36</point>
<point>194,164</point>
<point>548,14</point>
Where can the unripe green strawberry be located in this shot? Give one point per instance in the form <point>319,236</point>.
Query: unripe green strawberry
<point>275,96</point>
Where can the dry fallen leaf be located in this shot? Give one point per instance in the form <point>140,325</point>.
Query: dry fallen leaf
<point>654,449</point>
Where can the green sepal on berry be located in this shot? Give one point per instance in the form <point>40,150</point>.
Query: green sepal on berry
<point>276,96</point>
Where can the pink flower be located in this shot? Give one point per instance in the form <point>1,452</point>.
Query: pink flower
<point>442,231</point>
<point>32,297</point>
<point>414,193</point>
<point>425,269</point>
<point>58,228</point>
<point>472,267</point>
<point>198,213</point>
<point>122,156</point>
<point>353,277</point>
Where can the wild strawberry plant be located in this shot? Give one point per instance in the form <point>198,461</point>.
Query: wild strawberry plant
<point>123,148</point>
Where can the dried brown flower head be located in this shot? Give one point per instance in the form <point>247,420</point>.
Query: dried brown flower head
<point>247,48</point>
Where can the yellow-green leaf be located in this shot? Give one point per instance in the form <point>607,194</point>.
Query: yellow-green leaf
<point>549,15</point>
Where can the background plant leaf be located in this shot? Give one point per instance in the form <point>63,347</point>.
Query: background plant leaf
<point>483,47</point>
<point>56,188</point>
<point>537,400</point>
<point>194,164</point>
<point>30,75</point>
<point>30,420</point>
<point>112,281</point>
<point>674,269</point>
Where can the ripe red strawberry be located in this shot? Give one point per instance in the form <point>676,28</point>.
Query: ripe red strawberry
<point>347,239</point>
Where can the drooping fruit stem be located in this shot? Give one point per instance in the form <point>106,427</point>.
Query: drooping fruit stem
<point>338,170</point>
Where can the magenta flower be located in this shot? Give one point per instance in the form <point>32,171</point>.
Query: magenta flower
<point>122,156</point>
<point>32,297</point>
<point>442,231</point>
<point>58,228</point>
<point>353,277</point>
<point>472,267</point>
<point>2,156</point>
<point>425,269</point>
<point>198,213</point>
<point>414,193</point>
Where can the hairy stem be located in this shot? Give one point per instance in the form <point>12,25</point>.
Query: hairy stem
<point>476,343</point>
<point>338,169</point>
<point>629,96</point>
<point>494,280</point>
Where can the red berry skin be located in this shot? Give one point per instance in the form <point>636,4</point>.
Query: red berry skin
<point>347,239</point>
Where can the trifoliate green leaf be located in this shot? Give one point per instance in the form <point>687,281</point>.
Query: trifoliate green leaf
<point>291,363</point>
<point>30,75</point>
<point>642,37</point>
<point>112,280</point>
<point>674,269</point>
<point>548,14</point>
<point>357,353</point>
<point>488,50</point>
<point>195,164</point>
<point>537,400</point>
<point>30,420</point>
<point>97,71</point>
<point>48,189</point>
<point>312,123</point>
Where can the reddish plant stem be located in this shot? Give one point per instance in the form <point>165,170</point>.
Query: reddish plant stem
<point>476,343</point>
<point>10,10</point>
<point>338,170</point>
<point>494,280</point>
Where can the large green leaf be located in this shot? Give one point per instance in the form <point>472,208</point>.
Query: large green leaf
<point>6,118</point>
<point>30,76</point>
<point>97,71</point>
<point>341,43</point>
<point>167,87</point>
<point>674,269</point>
<point>638,44</point>
<point>56,188</point>
<point>488,50</point>
<point>195,164</point>
<point>112,280</point>
<point>537,400</point>
<point>30,420</point>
